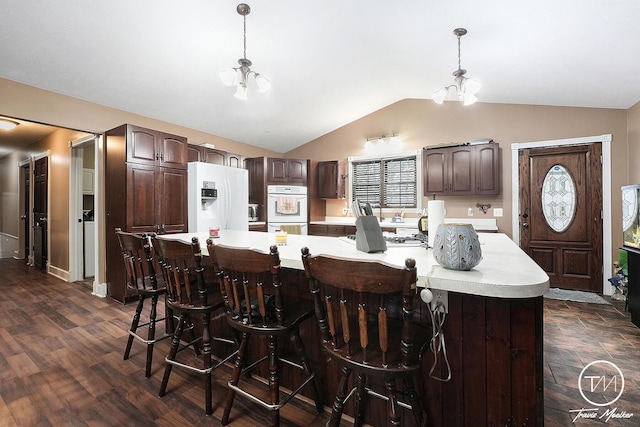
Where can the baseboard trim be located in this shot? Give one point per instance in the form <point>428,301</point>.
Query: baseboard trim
<point>99,289</point>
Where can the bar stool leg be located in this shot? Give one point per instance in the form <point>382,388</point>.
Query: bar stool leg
<point>151,335</point>
<point>134,326</point>
<point>302,354</point>
<point>175,344</point>
<point>361,396</point>
<point>416,405</point>
<point>206,350</point>
<point>274,380</point>
<point>338,404</point>
<point>235,377</point>
<point>392,404</point>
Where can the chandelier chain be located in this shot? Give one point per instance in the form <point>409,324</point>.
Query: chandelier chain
<point>245,37</point>
<point>459,67</point>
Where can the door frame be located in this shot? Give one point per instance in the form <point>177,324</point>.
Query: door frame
<point>605,140</point>
<point>75,209</point>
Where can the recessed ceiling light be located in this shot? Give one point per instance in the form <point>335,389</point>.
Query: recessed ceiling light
<point>7,124</point>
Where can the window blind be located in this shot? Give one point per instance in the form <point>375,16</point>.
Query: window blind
<point>390,183</point>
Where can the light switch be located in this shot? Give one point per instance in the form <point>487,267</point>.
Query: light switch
<point>470,212</point>
<point>497,212</point>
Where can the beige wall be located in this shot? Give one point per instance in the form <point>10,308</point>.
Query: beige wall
<point>632,157</point>
<point>421,123</point>
<point>29,103</point>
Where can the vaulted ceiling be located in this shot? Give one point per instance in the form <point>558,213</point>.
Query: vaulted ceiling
<point>330,61</point>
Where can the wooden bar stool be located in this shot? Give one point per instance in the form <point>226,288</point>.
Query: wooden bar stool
<point>365,313</point>
<point>189,295</point>
<point>141,279</point>
<point>255,306</point>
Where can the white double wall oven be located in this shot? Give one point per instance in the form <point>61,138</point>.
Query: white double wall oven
<point>287,208</point>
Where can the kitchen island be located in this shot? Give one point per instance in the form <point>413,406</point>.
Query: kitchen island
<point>492,331</point>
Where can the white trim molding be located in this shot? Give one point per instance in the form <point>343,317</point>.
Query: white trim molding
<point>605,140</point>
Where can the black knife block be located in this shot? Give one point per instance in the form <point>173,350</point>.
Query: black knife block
<point>369,235</point>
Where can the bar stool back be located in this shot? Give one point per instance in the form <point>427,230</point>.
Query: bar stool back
<point>189,295</point>
<point>365,313</point>
<point>256,305</point>
<point>142,281</point>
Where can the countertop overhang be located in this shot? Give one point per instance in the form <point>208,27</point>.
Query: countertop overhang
<point>504,272</point>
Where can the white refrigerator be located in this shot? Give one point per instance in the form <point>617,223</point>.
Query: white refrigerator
<point>218,196</point>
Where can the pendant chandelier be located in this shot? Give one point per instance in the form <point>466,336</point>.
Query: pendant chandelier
<point>465,87</point>
<point>239,76</point>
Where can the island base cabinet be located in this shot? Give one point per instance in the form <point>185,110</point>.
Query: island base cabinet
<point>494,348</point>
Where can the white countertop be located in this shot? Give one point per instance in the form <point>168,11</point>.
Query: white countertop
<point>504,272</point>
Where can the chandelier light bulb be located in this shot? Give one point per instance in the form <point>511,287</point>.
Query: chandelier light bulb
<point>228,76</point>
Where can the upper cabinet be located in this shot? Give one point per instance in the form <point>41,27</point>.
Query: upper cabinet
<point>462,170</point>
<point>198,153</point>
<point>487,169</point>
<point>330,180</point>
<point>286,171</point>
<point>146,146</point>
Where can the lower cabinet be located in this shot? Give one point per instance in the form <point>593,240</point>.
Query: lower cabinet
<point>633,295</point>
<point>338,230</point>
<point>258,227</point>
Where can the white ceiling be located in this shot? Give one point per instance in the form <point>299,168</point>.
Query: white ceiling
<point>330,61</point>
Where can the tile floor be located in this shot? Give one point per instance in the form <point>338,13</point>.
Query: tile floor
<point>575,335</point>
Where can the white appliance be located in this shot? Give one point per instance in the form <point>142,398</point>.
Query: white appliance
<point>287,205</point>
<point>217,197</point>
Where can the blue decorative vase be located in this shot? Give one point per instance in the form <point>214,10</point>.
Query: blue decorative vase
<point>456,246</point>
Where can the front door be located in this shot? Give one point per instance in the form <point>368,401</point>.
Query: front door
<point>40,204</point>
<point>561,213</point>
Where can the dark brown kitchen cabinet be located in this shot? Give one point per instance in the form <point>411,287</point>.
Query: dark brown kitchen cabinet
<point>194,153</point>
<point>198,153</point>
<point>286,171</point>
<point>257,184</point>
<point>487,169</point>
<point>152,207</point>
<point>330,180</point>
<point>143,194</point>
<point>462,170</point>
<point>146,146</point>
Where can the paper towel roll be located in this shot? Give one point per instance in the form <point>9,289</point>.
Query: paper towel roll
<point>435,210</point>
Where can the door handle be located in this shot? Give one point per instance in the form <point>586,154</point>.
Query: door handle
<point>23,217</point>
<point>525,225</point>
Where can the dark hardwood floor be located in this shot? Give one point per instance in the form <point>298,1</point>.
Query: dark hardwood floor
<point>575,335</point>
<point>61,363</point>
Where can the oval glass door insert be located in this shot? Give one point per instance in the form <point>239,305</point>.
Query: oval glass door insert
<point>558,198</point>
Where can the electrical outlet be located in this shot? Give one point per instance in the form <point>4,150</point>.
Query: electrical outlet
<point>470,211</point>
<point>497,212</point>
<point>440,298</point>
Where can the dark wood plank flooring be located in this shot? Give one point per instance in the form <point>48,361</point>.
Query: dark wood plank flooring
<point>61,363</point>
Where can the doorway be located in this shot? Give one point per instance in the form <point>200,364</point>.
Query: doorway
<point>561,213</point>
<point>82,210</point>
<point>557,266</point>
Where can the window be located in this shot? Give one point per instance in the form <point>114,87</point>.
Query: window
<point>387,182</point>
